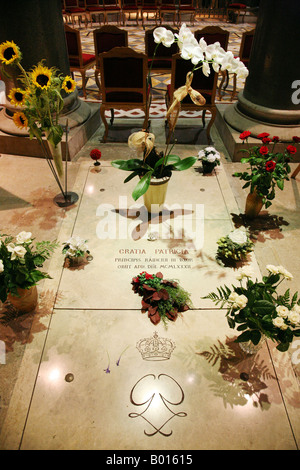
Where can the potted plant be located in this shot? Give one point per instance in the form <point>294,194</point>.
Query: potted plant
<point>75,250</point>
<point>163,299</point>
<point>19,273</point>
<point>258,311</point>
<point>210,158</point>
<point>267,171</point>
<point>154,169</point>
<point>235,246</point>
<point>95,155</point>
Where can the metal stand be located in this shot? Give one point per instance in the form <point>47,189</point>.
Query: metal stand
<point>65,199</point>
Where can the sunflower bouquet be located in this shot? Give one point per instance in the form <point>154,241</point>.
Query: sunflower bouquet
<point>39,99</point>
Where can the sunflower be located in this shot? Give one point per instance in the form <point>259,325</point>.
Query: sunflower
<point>68,84</point>
<point>41,77</point>
<point>20,120</point>
<point>17,96</point>
<point>9,52</point>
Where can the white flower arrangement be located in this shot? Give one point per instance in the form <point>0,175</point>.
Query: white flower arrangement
<point>75,247</point>
<point>199,53</point>
<point>209,154</point>
<point>235,246</point>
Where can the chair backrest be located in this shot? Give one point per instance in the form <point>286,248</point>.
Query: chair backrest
<point>150,3</point>
<point>246,45</point>
<point>123,76</point>
<point>130,3</point>
<point>92,3</point>
<point>213,34</point>
<point>163,56</point>
<point>167,3</point>
<point>71,3</point>
<point>207,86</point>
<point>73,46</point>
<point>110,3</point>
<point>186,3</point>
<point>107,37</point>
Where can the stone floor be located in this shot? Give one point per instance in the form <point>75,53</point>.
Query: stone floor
<point>74,377</point>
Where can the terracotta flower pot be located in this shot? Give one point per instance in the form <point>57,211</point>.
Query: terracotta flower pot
<point>26,302</point>
<point>254,204</point>
<point>156,194</point>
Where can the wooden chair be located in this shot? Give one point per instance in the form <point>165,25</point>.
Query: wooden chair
<point>168,7</point>
<point>238,9</point>
<point>106,38</point>
<point>74,10</point>
<point>112,7</point>
<point>79,62</point>
<point>207,86</point>
<point>94,9</point>
<point>130,7</point>
<point>162,62</point>
<point>150,6</point>
<point>186,7</point>
<point>123,82</point>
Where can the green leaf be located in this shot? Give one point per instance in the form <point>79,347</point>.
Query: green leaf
<point>246,336</point>
<point>283,347</point>
<point>185,163</point>
<point>280,184</point>
<point>263,307</point>
<point>171,159</point>
<point>130,177</point>
<point>142,185</point>
<point>127,165</point>
<point>255,336</point>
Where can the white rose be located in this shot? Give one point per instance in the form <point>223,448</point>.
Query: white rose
<point>233,296</point>
<point>272,269</point>
<point>16,251</point>
<point>294,317</point>
<point>24,237</point>
<point>282,311</point>
<point>246,271</point>
<point>241,301</point>
<point>238,236</point>
<point>279,323</point>
<point>296,308</point>
<point>1,266</point>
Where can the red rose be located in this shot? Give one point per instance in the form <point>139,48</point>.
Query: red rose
<point>270,165</point>
<point>275,138</point>
<point>263,135</point>
<point>135,279</point>
<point>296,139</point>
<point>264,150</point>
<point>266,140</point>
<point>95,154</point>
<point>291,149</point>
<point>244,135</point>
<point>148,276</point>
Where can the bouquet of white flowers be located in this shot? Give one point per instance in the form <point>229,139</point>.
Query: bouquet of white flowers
<point>235,246</point>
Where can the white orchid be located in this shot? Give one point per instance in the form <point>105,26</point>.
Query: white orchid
<point>164,36</point>
<point>185,36</point>
<point>191,52</point>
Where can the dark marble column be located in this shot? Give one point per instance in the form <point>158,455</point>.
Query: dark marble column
<point>37,27</point>
<point>270,96</point>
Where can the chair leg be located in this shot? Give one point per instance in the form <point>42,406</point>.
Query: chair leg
<point>98,82</point>
<point>112,116</point>
<point>102,114</point>
<point>203,118</point>
<point>83,84</point>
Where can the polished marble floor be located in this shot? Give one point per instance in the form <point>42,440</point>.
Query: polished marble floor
<point>75,377</point>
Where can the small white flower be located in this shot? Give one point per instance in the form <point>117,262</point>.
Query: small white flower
<point>285,273</point>
<point>164,36</point>
<point>206,69</point>
<point>272,269</point>
<point>282,311</point>
<point>1,266</point>
<point>24,237</point>
<point>279,323</point>
<point>238,236</point>
<point>17,251</point>
<point>238,301</point>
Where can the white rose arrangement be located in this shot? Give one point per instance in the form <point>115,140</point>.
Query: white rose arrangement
<point>256,310</point>
<point>235,246</point>
<point>20,260</point>
<point>75,247</point>
<point>210,155</point>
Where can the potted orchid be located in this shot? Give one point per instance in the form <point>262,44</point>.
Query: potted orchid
<point>154,168</point>
<point>210,158</point>
<point>20,260</point>
<point>258,311</point>
<point>267,171</point>
<point>235,246</point>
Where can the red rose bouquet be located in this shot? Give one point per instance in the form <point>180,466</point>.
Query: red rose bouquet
<point>163,299</point>
<point>268,168</point>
